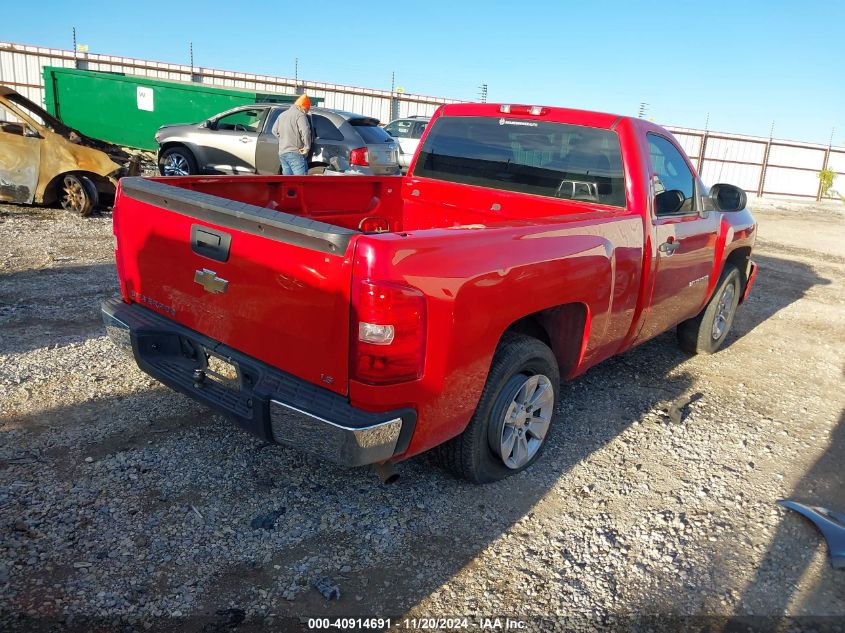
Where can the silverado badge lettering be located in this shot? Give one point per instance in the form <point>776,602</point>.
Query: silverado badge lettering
<point>209,280</point>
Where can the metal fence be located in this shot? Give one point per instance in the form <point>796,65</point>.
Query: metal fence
<point>760,166</point>
<point>20,68</point>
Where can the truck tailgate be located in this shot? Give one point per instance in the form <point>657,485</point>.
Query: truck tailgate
<point>269,284</point>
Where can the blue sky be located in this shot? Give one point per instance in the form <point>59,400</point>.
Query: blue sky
<point>745,62</point>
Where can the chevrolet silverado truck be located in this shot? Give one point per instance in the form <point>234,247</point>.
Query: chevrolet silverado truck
<point>369,319</point>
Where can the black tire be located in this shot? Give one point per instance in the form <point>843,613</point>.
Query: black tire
<point>698,334</point>
<point>78,194</point>
<point>177,159</point>
<point>472,455</point>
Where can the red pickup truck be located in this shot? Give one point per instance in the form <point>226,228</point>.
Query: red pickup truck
<point>368,319</point>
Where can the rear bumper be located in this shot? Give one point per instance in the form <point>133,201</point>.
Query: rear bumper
<point>266,401</point>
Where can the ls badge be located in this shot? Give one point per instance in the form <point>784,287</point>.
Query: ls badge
<point>209,280</point>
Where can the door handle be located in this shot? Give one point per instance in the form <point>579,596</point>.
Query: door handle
<point>244,139</point>
<point>669,247</point>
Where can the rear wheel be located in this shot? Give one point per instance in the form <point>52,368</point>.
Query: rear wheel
<point>705,333</point>
<point>508,431</point>
<point>78,194</point>
<point>177,161</point>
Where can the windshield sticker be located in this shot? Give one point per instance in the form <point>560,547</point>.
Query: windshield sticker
<point>526,123</point>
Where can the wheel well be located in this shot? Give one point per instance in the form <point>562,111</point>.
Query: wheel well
<point>739,258</point>
<point>561,328</point>
<point>171,144</point>
<point>51,191</point>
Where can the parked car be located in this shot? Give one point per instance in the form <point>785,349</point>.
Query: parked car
<point>370,319</point>
<point>240,141</point>
<point>407,132</point>
<point>43,161</point>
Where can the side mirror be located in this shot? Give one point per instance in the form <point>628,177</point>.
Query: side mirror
<point>668,202</point>
<point>211,124</point>
<point>728,198</point>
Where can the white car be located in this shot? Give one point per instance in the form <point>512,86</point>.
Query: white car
<point>408,132</point>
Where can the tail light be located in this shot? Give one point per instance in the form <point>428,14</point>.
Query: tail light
<point>388,332</point>
<point>360,157</point>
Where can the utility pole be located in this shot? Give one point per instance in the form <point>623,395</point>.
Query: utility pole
<point>194,76</point>
<point>79,48</point>
<point>703,143</point>
<point>643,109</point>
<point>482,95</point>
<point>394,100</point>
<point>762,185</point>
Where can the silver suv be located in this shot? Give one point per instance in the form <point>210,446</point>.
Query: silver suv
<point>408,132</point>
<point>240,141</point>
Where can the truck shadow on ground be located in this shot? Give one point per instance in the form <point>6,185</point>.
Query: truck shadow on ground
<point>53,306</point>
<point>779,284</point>
<point>402,543</point>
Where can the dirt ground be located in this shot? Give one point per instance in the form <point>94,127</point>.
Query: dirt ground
<point>126,503</point>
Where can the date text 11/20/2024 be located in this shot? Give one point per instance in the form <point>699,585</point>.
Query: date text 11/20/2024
<point>435,624</point>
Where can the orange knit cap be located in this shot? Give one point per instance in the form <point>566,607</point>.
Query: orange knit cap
<point>303,102</point>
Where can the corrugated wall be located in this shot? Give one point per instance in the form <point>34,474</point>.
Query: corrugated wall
<point>758,165</point>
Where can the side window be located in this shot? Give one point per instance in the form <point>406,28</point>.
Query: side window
<point>325,129</point>
<point>10,124</point>
<point>671,171</point>
<point>271,120</point>
<point>399,129</point>
<point>241,121</point>
<point>419,128</point>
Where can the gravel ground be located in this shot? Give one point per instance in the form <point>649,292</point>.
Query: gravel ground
<point>123,501</point>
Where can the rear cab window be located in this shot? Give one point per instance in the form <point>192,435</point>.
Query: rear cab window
<point>555,160</point>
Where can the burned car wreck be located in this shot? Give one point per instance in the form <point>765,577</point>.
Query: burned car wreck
<point>43,161</point>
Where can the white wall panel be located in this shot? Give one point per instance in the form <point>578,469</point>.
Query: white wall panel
<point>836,162</point>
<point>736,150</point>
<point>791,181</point>
<point>790,156</point>
<point>745,176</point>
<point>690,143</point>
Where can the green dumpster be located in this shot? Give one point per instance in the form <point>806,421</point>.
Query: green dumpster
<point>127,109</point>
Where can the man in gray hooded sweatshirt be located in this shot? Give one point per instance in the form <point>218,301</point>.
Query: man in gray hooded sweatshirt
<point>294,134</point>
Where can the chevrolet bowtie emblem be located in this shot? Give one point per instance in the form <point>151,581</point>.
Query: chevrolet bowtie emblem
<point>209,280</point>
